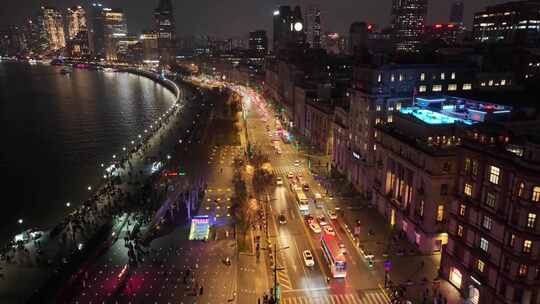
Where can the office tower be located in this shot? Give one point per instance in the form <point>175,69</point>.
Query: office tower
<point>516,23</point>
<point>108,26</point>
<point>456,12</point>
<point>76,21</point>
<point>289,28</point>
<point>53,27</point>
<point>408,20</point>
<point>358,37</point>
<point>258,43</point>
<point>313,24</point>
<point>166,31</point>
<point>149,41</point>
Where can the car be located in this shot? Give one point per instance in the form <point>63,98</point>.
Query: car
<point>322,220</point>
<point>317,195</point>
<point>305,187</point>
<point>333,215</point>
<point>296,163</point>
<point>279,181</point>
<point>342,248</point>
<point>308,258</point>
<point>315,227</point>
<point>290,175</point>
<point>329,230</point>
<point>282,219</point>
<point>308,218</point>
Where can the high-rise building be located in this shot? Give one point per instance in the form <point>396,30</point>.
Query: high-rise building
<point>515,23</point>
<point>289,28</point>
<point>258,43</point>
<point>166,31</point>
<point>358,37</point>
<point>76,21</point>
<point>408,20</point>
<point>313,24</point>
<point>456,12</point>
<point>53,27</point>
<point>108,27</point>
<point>149,41</point>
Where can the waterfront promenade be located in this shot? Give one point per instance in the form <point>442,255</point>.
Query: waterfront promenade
<point>38,258</point>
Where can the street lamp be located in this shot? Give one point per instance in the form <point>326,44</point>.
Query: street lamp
<point>89,188</point>
<point>68,204</point>
<point>102,165</point>
<point>20,221</point>
<point>114,156</point>
<point>124,148</point>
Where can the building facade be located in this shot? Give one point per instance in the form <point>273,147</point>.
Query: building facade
<point>493,250</point>
<point>289,28</point>
<point>76,21</point>
<point>516,23</point>
<point>456,12</point>
<point>258,43</point>
<point>53,27</point>
<point>166,31</point>
<point>313,24</point>
<point>408,21</point>
<point>149,41</point>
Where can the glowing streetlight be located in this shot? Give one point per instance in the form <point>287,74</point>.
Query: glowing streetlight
<point>168,156</point>
<point>140,136</point>
<point>20,221</point>
<point>114,156</point>
<point>68,204</point>
<point>89,188</point>
<point>145,131</point>
<point>124,148</point>
<point>132,142</point>
<point>102,165</point>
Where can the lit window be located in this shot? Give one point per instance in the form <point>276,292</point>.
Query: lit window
<point>522,270</point>
<point>401,77</point>
<point>531,220</point>
<point>437,88</point>
<point>527,246</point>
<point>398,106</point>
<point>520,188</point>
<point>443,76</point>
<point>392,78</point>
<point>490,83</point>
<point>422,76</point>
<point>483,84</point>
<point>494,173</point>
<point>452,87</point>
<point>440,213</point>
<point>462,209</point>
<point>474,167</point>
<point>512,240</point>
<point>422,88</point>
<point>460,230</point>
<point>484,244</point>
<point>480,265</point>
<point>377,121</point>
<point>487,222</point>
<point>467,87</point>
<point>375,147</point>
<point>390,118</point>
<point>503,82</point>
<point>536,194</point>
<point>491,199</point>
<point>467,165</point>
<point>453,76</point>
<point>378,108</point>
<point>422,208</point>
<point>379,78</point>
<point>468,189</point>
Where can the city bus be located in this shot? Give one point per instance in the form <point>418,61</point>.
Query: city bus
<point>334,255</point>
<point>302,200</point>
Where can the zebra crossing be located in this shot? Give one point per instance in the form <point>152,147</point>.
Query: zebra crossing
<point>285,170</point>
<point>367,297</point>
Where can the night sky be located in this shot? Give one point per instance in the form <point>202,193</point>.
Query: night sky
<point>238,17</point>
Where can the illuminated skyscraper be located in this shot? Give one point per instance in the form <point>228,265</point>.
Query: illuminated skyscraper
<point>53,27</point>
<point>313,24</point>
<point>408,20</point>
<point>166,31</point>
<point>76,21</point>
<point>108,27</point>
<point>289,29</point>
<point>149,41</point>
<point>258,43</point>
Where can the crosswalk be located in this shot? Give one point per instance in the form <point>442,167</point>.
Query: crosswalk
<point>367,297</point>
<point>285,170</point>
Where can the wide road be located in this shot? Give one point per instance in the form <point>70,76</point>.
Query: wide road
<point>301,284</point>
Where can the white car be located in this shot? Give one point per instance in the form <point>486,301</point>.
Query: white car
<point>333,215</point>
<point>321,220</point>
<point>279,181</point>
<point>318,195</point>
<point>329,230</point>
<point>308,258</point>
<point>315,227</point>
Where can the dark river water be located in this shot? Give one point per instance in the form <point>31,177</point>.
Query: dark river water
<point>57,129</point>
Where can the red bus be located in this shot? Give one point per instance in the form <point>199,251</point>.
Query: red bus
<point>334,255</point>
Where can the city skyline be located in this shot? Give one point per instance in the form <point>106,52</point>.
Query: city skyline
<point>206,18</point>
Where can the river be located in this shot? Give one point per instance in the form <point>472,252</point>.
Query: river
<point>57,129</point>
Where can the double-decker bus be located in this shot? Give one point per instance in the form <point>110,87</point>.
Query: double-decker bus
<point>302,200</point>
<point>334,255</point>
